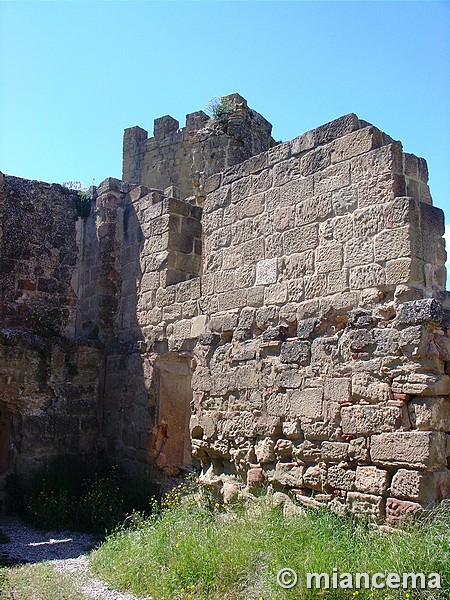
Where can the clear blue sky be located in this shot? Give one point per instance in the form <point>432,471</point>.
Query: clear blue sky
<point>73,75</point>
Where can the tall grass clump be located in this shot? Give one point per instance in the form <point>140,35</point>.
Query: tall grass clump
<point>73,494</point>
<point>197,549</point>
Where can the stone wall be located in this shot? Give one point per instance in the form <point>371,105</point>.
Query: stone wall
<point>185,157</point>
<point>48,380</point>
<point>284,321</point>
<point>323,364</point>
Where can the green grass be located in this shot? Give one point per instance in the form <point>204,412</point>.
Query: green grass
<point>37,582</point>
<point>197,550</point>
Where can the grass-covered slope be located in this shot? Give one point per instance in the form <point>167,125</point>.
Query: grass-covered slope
<point>200,550</point>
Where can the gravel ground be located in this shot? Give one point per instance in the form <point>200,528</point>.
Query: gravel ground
<point>67,551</point>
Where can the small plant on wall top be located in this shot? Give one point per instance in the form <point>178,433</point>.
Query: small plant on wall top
<point>217,108</point>
<point>83,204</point>
<point>82,198</point>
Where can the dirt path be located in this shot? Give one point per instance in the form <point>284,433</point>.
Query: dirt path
<point>66,551</point>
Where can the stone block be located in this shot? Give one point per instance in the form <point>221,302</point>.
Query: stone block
<point>292,429</point>
<point>286,474</point>
<point>430,413</point>
<point>329,257</point>
<point>291,193</point>
<point>420,311</point>
<point>300,239</point>
<point>307,327</point>
<point>367,276</point>
<point>278,153</point>
<point>335,129</point>
<point>338,389</point>
<point>345,200</point>
<point>267,316</point>
<point>262,182</point>
<point>315,286</point>
<point>340,478</point>
<point>290,379</point>
<point>275,333</point>
<point>312,210</point>
<point>212,183</point>
<point>302,143</point>
<point>307,403</point>
<point>337,281</point>
<point>276,294</point>
<point>295,352</point>
<point>307,451</point>
<point>315,477</point>
<point>283,218</point>
<point>314,161</point>
<point>371,480</point>
<point>264,450</point>
<point>332,178</point>
<point>400,510</point>
<point>415,449</point>
<point>245,351</point>
<point>421,487</point>
<point>198,325</point>
<point>219,198</point>
<point>367,505</point>
<point>358,451</point>
<point>400,212</point>
<point>432,219</point>
<point>297,265</point>
<point>391,244</point>
<point>358,252</point>
<point>278,405</point>
<point>404,271</point>
<point>355,143</point>
<point>369,419</point>
<point>334,451</point>
<point>232,299</point>
<point>251,206</point>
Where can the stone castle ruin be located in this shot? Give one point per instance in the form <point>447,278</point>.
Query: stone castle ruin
<point>275,313</point>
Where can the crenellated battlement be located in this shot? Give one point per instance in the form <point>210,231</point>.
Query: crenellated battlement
<point>186,157</point>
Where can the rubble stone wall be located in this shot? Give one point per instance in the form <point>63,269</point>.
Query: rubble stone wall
<point>48,379</point>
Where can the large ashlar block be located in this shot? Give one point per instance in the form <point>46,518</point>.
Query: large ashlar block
<point>307,403</point>
<point>415,449</point>
<point>369,419</point>
<point>400,510</point>
<point>355,143</point>
<point>367,276</point>
<point>332,178</point>
<point>266,271</point>
<point>387,159</point>
<point>421,487</point>
<point>394,243</point>
<point>407,271</point>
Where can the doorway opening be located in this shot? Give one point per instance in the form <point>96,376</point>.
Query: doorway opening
<point>173,444</point>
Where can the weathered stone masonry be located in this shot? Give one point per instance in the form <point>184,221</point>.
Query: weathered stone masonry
<point>283,320</point>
